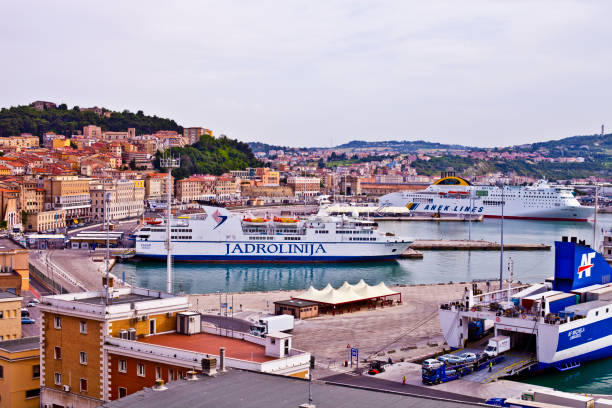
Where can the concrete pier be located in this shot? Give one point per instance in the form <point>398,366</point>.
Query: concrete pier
<point>465,245</point>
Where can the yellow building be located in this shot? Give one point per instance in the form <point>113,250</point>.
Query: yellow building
<point>72,332</point>
<point>14,261</point>
<point>20,373</point>
<point>10,316</point>
<point>57,143</point>
<point>46,221</point>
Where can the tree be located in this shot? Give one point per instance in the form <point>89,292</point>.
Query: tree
<point>133,164</point>
<point>62,106</point>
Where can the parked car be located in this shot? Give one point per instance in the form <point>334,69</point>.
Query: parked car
<point>453,359</point>
<point>469,357</point>
<point>25,312</point>
<point>27,320</point>
<point>444,358</point>
<point>33,302</point>
<point>432,363</point>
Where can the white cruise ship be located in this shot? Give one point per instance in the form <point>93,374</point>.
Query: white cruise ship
<point>221,236</point>
<point>454,195</point>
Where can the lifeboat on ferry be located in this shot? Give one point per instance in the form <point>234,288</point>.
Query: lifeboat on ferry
<point>286,221</point>
<point>153,222</point>
<point>255,221</point>
<point>459,192</point>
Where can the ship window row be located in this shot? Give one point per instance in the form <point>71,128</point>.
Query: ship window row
<point>487,202</point>
<point>181,230</point>
<point>158,230</point>
<point>181,237</point>
<point>354,232</point>
<point>321,232</point>
<point>261,238</point>
<point>293,238</point>
<point>145,229</point>
<point>362,239</point>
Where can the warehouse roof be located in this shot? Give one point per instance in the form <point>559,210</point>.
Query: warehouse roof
<point>246,389</point>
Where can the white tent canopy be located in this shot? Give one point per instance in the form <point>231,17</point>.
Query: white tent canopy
<point>346,293</point>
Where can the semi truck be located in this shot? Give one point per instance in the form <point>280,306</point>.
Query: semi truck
<point>444,373</point>
<point>477,329</point>
<point>497,345</point>
<point>271,324</point>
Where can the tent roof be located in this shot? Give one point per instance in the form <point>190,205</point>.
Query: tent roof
<point>346,293</point>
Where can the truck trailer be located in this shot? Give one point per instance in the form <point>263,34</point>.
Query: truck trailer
<point>271,324</point>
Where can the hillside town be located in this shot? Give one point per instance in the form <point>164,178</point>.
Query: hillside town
<point>51,182</point>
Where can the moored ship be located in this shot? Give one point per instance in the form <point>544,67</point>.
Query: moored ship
<point>455,195</point>
<point>221,236</point>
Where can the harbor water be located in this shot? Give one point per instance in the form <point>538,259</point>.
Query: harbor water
<point>435,267</point>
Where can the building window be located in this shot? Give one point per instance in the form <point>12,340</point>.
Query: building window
<point>83,384</point>
<point>158,373</point>
<point>122,392</point>
<point>1,314</point>
<point>152,326</point>
<point>57,353</point>
<point>32,393</point>
<point>57,322</point>
<point>83,357</point>
<point>83,327</point>
<point>58,379</point>
<point>36,371</point>
<point>122,366</point>
<point>170,374</point>
<point>140,369</point>
<point>1,371</point>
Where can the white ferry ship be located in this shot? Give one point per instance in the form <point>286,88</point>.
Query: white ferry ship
<point>218,235</point>
<point>557,324</point>
<point>454,195</point>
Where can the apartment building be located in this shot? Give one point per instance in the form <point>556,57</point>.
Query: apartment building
<point>226,189</point>
<point>20,373</point>
<point>14,267</point>
<point>42,105</point>
<point>304,186</point>
<point>92,132</point>
<point>10,209</point>
<point>94,350</point>
<point>350,185</point>
<point>10,316</point>
<point>23,141</point>
<point>70,194</point>
<point>125,199</point>
<point>110,136</point>
<point>156,185</point>
<point>46,221</point>
<point>196,187</point>
<point>192,134</point>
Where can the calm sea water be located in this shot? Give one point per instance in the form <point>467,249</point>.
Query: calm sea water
<point>437,266</point>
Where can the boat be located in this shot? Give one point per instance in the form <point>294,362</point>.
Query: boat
<point>451,195</point>
<point>153,222</point>
<point>556,324</point>
<point>217,235</point>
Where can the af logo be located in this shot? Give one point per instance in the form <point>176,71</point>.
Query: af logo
<point>586,263</point>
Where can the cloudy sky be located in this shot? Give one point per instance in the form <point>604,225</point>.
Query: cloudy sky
<point>321,72</point>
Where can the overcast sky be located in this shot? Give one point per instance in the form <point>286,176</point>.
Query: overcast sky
<point>321,72</point>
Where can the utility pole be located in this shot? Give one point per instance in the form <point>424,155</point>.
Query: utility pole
<point>169,163</point>
<point>107,260</point>
<point>501,253</point>
<point>595,217</point>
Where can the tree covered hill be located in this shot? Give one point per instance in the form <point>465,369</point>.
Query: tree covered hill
<point>61,120</point>
<point>212,156</point>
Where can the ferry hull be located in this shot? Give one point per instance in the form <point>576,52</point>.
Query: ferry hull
<point>270,259</point>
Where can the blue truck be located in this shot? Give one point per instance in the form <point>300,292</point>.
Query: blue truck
<point>444,373</point>
<point>477,329</point>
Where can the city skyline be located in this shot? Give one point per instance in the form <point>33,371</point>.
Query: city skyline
<point>312,75</point>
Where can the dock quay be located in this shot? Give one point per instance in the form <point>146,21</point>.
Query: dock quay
<point>473,245</point>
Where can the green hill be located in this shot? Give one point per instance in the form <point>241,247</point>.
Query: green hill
<point>212,156</point>
<point>25,119</point>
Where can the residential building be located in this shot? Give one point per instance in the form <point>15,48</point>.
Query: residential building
<point>70,194</point>
<point>304,186</point>
<point>196,187</point>
<point>32,196</point>
<point>10,316</point>
<point>192,134</point>
<point>92,132</point>
<point>20,373</point>
<point>141,159</point>
<point>125,199</point>
<point>10,209</point>
<point>46,221</point>
<point>226,189</point>
<point>14,267</point>
<point>23,141</point>
<point>156,186</point>
<point>43,105</point>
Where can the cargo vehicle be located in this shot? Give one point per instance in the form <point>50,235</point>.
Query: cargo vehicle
<point>431,363</point>
<point>518,403</point>
<point>444,357</point>
<point>27,320</point>
<point>564,399</point>
<point>477,329</point>
<point>497,345</point>
<point>271,324</point>
<point>443,373</point>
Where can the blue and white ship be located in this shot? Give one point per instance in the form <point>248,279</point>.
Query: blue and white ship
<point>559,323</point>
<point>221,236</point>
